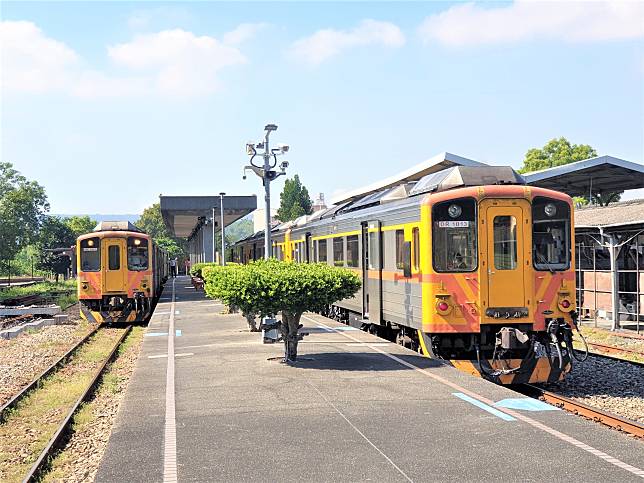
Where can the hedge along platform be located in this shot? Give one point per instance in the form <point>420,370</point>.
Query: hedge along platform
<point>356,408</point>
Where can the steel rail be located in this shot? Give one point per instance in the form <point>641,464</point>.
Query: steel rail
<point>614,350</point>
<point>56,440</point>
<point>616,422</point>
<point>36,382</point>
<point>612,358</point>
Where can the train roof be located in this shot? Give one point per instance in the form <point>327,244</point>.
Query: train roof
<point>117,226</point>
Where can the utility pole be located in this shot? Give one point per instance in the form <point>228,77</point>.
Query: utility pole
<point>213,234</point>
<point>268,174</point>
<point>223,242</point>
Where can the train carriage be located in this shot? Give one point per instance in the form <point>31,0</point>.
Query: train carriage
<point>468,264</point>
<point>120,273</point>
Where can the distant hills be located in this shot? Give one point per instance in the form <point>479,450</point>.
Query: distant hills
<point>124,217</point>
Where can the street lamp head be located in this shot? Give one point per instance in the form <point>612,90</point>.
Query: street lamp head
<point>222,194</point>
<point>270,127</point>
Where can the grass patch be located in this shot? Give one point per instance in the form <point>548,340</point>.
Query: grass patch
<point>37,417</point>
<point>84,421</point>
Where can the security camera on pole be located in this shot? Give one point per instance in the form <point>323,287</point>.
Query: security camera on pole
<point>267,173</point>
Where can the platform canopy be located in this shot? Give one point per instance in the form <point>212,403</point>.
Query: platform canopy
<point>603,174</point>
<point>183,215</point>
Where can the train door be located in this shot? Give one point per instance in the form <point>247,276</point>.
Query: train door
<point>115,264</point>
<point>372,276</point>
<point>505,257</point>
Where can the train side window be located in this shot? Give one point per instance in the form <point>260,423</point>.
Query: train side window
<point>415,234</point>
<point>90,254</point>
<point>114,257</point>
<point>400,243</point>
<point>352,251</point>
<point>338,251</point>
<point>322,256</point>
<point>137,254</point>
<point>454,241</point>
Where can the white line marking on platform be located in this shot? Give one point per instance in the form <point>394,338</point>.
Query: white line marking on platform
<point>170,437</point>
<point>160,356</point>
<point>564,437</point>
<point>359,432</point>
<point>365,344</point>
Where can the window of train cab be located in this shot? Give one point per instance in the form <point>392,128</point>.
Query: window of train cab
<point>90,255</point>
<point>454,240</point>
<point>137,253</point>
<point>550,234</point>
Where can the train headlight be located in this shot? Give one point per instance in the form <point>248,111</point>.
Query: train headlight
<point>137,242</point>
<point>90,243</point>
<point>454,211</point>
<point>550,210</point>
<point>84,285</point>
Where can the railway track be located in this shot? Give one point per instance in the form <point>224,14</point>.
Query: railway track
<point>57,437</point>
<point>576,407</point>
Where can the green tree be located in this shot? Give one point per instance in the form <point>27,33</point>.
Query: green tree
<point>152,223</point>
<point>269,287</point>
<point>23,204</point>
<point>558,152</point>
<point>54,233</point>
<point>294,200</point>
<point>170,246</point>
<point>80,225</point>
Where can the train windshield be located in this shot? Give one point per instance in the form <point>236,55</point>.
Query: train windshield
<point>550,234</point>
<point>454,236</point>
<point>137,253</point>
<point>90,254</point>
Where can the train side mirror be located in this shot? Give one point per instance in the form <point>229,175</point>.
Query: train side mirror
<point>406,254</point>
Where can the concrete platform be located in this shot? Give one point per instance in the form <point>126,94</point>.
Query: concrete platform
<point>354,408</point>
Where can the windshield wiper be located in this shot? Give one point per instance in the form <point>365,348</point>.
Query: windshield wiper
<point>544,261</point>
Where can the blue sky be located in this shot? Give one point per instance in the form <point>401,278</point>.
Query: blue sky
<point>110,104</point>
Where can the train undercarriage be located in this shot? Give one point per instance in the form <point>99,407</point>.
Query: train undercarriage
<point>503,353</point>
<point>117,308</point>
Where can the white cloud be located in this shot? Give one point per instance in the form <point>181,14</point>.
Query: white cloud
<point>31,61</point>
<point>470,24</point>
<point>327,43</point>
<point>184,64</point>
<point>242,33</point>
<point>143,19</point>
<point>171,63</point>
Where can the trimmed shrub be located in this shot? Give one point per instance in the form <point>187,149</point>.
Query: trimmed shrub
<point>196,269</point>
<point>269,287</point>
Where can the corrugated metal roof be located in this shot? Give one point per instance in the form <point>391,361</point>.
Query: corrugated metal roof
<point>600,174</point>
<point>624,212</point>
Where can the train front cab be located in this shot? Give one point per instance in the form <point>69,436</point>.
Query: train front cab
<point>115,277</point>
<point>498,290</point>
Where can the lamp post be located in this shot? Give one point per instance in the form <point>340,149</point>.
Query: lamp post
<point>223,242</point>
<point>268,174</point>
<point>213,234</point>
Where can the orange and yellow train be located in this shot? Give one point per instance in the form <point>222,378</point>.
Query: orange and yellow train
<point>468,264</point>
<point>120,273</point>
